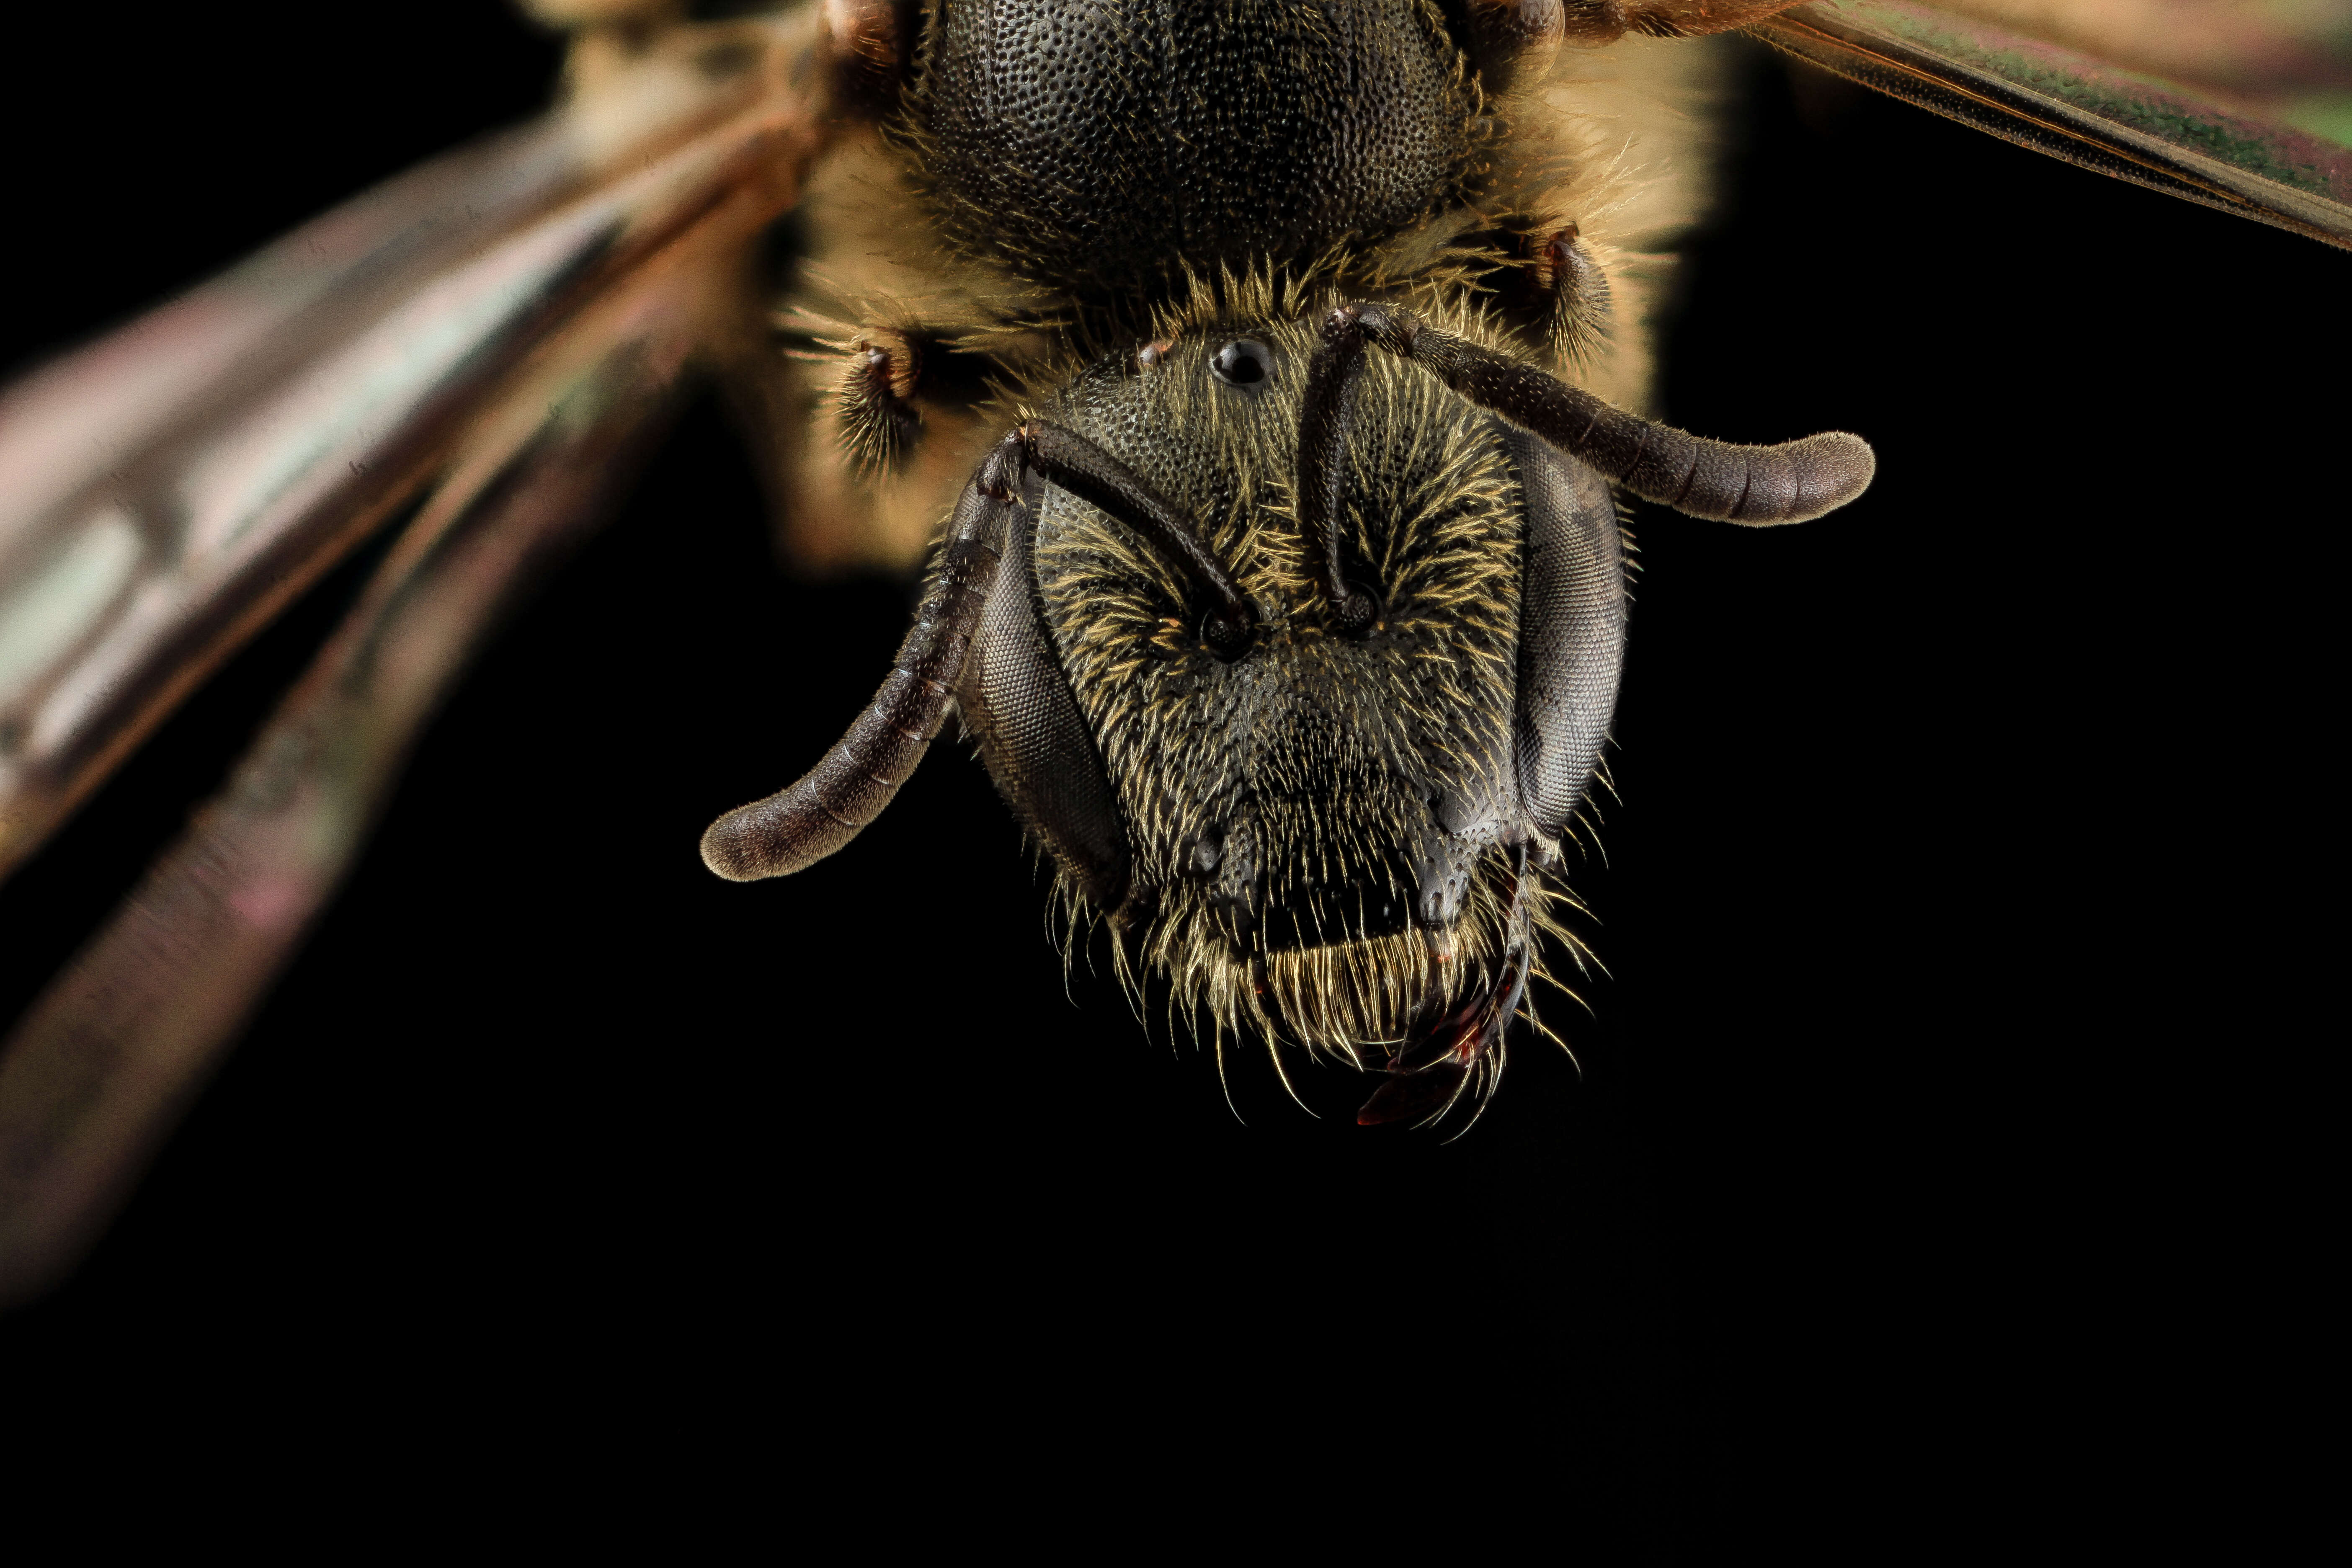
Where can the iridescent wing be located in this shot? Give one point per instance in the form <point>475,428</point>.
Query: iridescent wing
<point>2099,116</point>
<point>498,333</point>
<point>166,490</point>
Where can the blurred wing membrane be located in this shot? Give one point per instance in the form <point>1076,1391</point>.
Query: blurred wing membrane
<point>2081,110</point>
<point>498,334</point>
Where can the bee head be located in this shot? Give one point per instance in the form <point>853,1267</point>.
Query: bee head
<point>1325,832</point>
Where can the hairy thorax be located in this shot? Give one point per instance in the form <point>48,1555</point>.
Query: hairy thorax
<point>1092,146</point>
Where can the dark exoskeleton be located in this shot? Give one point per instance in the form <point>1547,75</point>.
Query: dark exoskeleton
<point>1289,613</point>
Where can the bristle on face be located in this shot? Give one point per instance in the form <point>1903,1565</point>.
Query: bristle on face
<point>1291,813</point>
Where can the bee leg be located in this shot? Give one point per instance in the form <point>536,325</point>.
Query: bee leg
<point>1555,290</point>
<point>896,387</point>
<point>1576,292</point>
<point>1791,482</point>
<point>1512,40</point>
<point>863,427</point>
<point>873,51</point>
<point>874,398</point>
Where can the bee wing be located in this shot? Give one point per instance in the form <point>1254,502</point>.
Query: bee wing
<point>108,1057</point>
<point>2073,107</point>
<point>521,374</point>
<point>165,491</point>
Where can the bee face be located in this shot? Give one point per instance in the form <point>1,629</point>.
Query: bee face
<point>1325,836</point>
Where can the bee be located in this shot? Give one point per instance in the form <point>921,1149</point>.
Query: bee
<point>1288,613</point>
<point>1288,594</point>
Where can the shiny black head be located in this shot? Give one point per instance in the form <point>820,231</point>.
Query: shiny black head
<point>1291,630</point>
<point>1293,634</point>
<point>1331,836</point>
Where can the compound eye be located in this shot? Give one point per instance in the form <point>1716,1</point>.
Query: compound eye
<point>1244,362</point>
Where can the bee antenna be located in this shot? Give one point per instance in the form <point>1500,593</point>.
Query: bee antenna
<point>1324,418</point>
<point>1095,477</point>
<point>1719,480</point>
<point>830,804</point>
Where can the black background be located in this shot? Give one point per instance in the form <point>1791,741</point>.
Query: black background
<point>1939,1136</point>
